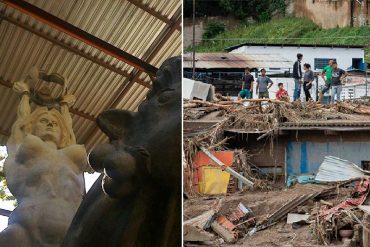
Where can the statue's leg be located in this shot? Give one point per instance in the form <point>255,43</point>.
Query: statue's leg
<point>14,235</point>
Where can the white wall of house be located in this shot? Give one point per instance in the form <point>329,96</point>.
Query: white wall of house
<point>342,55</point>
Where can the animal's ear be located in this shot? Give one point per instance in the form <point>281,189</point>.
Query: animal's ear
<point>114,122</point>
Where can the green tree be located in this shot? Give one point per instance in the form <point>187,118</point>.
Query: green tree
<point>260,10</point>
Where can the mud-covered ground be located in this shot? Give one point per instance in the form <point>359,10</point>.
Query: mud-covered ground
<point>262,204</point>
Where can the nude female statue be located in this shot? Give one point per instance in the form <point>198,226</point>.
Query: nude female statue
<point>44,171</point>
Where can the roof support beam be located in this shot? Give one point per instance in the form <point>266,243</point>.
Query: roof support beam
<point>72,110</point>
<point>153,12</point>
<point>150,54</point>
<point>81,35</point>
<point>70,48</point>
<point>5,212</point>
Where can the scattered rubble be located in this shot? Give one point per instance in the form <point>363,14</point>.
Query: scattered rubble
<point>262,223</point>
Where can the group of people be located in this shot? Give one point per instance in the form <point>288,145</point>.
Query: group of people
<point>332,75</point>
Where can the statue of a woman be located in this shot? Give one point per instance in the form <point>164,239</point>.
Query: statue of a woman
<point>44,171</point>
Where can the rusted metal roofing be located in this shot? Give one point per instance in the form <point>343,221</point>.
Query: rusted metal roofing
<point>235,61</point>
<point>147,29</point>
<point>334,125</point>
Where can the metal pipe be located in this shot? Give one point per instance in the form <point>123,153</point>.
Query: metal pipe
<point>227,169</point>
<point>193,76</point>
<point>366,66</point>
<point>317,88</point>
<point>80,34</point>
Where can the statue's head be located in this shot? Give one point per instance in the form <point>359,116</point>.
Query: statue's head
<point>48,125</point>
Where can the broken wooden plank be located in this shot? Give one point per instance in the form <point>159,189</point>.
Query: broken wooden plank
<point>201,220</point>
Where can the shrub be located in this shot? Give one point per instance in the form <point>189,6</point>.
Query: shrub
<point>213,28</point>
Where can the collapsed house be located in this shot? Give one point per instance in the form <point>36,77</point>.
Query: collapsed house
<point>274,144</point>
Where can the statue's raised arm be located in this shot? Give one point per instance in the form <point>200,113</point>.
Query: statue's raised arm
<point>23,112</point>
<point>66,102</point>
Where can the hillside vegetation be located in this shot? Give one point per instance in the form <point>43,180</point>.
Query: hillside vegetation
<point>288,30</point>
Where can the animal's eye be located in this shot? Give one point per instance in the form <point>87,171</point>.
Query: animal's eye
<point>165,96</point>
<point>43,120</point>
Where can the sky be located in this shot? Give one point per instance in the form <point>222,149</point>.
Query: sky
<point>9,205</point>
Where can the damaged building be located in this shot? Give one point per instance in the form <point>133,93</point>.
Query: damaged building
<point>257,169</point>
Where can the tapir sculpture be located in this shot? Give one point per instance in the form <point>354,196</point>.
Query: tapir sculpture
<point>137,199</point>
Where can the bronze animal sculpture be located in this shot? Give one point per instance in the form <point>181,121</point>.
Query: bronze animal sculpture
<point>137,199</point>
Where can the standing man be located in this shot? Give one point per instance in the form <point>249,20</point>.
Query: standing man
<point>326,74</point>
<point>297,75</point>
<point>336,81</point>
<point>247,85</point>
<point>263,85</point>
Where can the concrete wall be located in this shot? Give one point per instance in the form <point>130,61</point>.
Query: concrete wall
<point>303,151</point>
<point>306,157</point>
<point>332,13</point>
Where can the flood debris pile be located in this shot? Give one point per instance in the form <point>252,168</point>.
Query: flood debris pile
<point>275,111</point>
<point>331,214</point>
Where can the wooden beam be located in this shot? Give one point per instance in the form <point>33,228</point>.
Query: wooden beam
<point>81,35</point>
<point>69,47</point>
<point>151,53</point>
<point>71,109</point>
<point>148,56</point>
<point>153,12</point>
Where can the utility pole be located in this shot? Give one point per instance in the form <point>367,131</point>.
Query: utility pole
<point>193,76</point>
<point>366,68</point>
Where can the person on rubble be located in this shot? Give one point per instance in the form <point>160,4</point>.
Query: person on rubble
<point>326,74</point>
<point>297,75</point>
<point>282,94</point>
<point>337,81</point>
<point>308,79</point>
<point>247,85</point>
<point>263,85</point>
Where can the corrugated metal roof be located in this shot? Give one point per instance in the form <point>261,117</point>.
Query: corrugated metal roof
<point>96,87</point>
<point>235,61</point>
<point>335,125</point>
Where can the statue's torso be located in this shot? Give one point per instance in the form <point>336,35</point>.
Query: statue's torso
<point>52,190</point>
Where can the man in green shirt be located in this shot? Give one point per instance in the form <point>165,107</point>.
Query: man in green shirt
<point>326,74</point>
